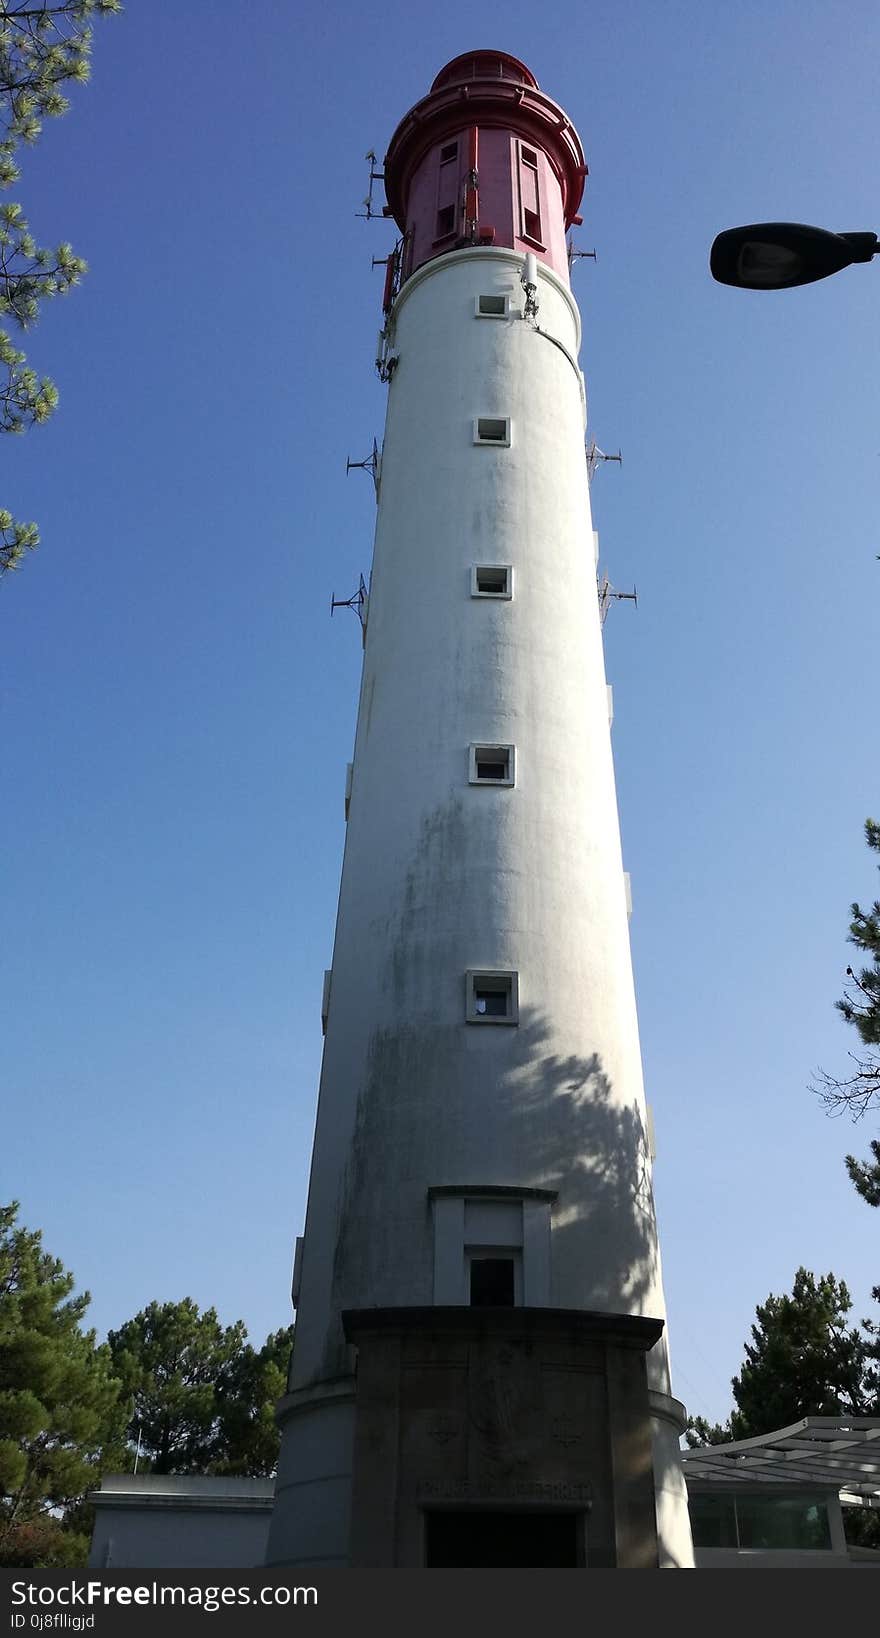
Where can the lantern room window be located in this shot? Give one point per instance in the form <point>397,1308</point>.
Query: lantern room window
<point>447,191</point>
<point>529,195</point>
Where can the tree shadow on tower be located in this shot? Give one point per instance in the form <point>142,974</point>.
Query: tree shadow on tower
<point>585,1137</point>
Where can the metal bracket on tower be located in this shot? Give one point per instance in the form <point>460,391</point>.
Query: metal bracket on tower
<point>579,255</point>
<point>386,359</point>
<point>372,464</point>
<point>375,176</point>
<point>359,603</point>
<point>608,595</point>
<point>595,455</point>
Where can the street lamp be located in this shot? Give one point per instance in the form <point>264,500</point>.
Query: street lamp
<point>779,255</point>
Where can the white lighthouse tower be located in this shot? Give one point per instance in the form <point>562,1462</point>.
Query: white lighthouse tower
<point>480,1373</point>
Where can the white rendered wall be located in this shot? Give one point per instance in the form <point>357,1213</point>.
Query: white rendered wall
<point>172,1521</point>
<point>441,876</point>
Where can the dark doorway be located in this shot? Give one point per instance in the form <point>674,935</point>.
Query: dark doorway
<point>477,1540</point>
<point>492,1282</point>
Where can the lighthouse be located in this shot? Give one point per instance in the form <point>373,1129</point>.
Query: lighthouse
<point>480,1375</point>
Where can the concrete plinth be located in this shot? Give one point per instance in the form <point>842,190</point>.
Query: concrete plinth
<point>494,1415</point>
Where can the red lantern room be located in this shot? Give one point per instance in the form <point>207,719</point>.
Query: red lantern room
<point>485,159</point>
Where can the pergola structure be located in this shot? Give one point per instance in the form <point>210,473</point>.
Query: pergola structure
<point>822,1451</point>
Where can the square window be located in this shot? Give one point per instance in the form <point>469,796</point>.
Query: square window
<point>492,580</point>
<point>492,765</point>
<point>492,306</point>
<point>445,221</point>
<point>449,152</point>
<point>492,1282</point>
<point>492,997</point>
<point>491,430</point>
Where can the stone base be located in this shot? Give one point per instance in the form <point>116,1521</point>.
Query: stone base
<point>488,1437</point>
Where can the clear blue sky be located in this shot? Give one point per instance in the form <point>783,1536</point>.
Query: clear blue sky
<point>178,708</point>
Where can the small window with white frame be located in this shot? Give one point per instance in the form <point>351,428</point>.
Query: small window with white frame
<point>492,997</point>
<point>492,429</point>
<point>492,580</point>
<point>492,306</point>
<point>492,765</point>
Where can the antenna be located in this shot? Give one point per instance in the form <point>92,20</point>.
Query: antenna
<point>579,255</point>
<point>358,603</point>
<point>608,595</point>
<point>375,176</point>
<point>371,464</point>
<point>595,455</point>
<point>529,281</point>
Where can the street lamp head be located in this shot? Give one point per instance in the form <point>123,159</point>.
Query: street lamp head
<point>779,255</point>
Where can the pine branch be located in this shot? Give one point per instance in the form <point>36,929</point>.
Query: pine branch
<point>15,540</point>
<point>855,1094</point>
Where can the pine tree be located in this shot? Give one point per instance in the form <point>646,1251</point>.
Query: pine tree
<point>202,1400</point>
<point>59,1399</point>
<point>43,46</point>
<point>803,1359</point>
<point>173,1361</point>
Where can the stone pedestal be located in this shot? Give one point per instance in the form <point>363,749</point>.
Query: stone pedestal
<point>520,1436</point>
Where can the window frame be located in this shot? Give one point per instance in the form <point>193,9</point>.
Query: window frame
<point>532,165</point>
<point>500,980</point>
<point>483,751</point>
<point>489,440</point>
<point>446,168</point>
<point>492,295</point>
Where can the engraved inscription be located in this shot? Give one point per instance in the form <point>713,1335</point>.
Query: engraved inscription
<point>549,1490</point>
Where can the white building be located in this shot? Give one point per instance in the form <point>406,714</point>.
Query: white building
<point>774,1502</point>
<point>480,1369</point>
<point>171,1521</point>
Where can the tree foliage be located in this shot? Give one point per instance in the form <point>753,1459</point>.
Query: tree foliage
<point>193,1394</point>
<point>700,1432</point>
<point>59,1399</point>
<point>804,1359</point>
<point>43,47</point>
<point>859,1092</point>
<point>202,1399</point>
<point>251,1391</point>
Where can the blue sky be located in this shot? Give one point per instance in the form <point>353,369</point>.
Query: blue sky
<point>178,708</point>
